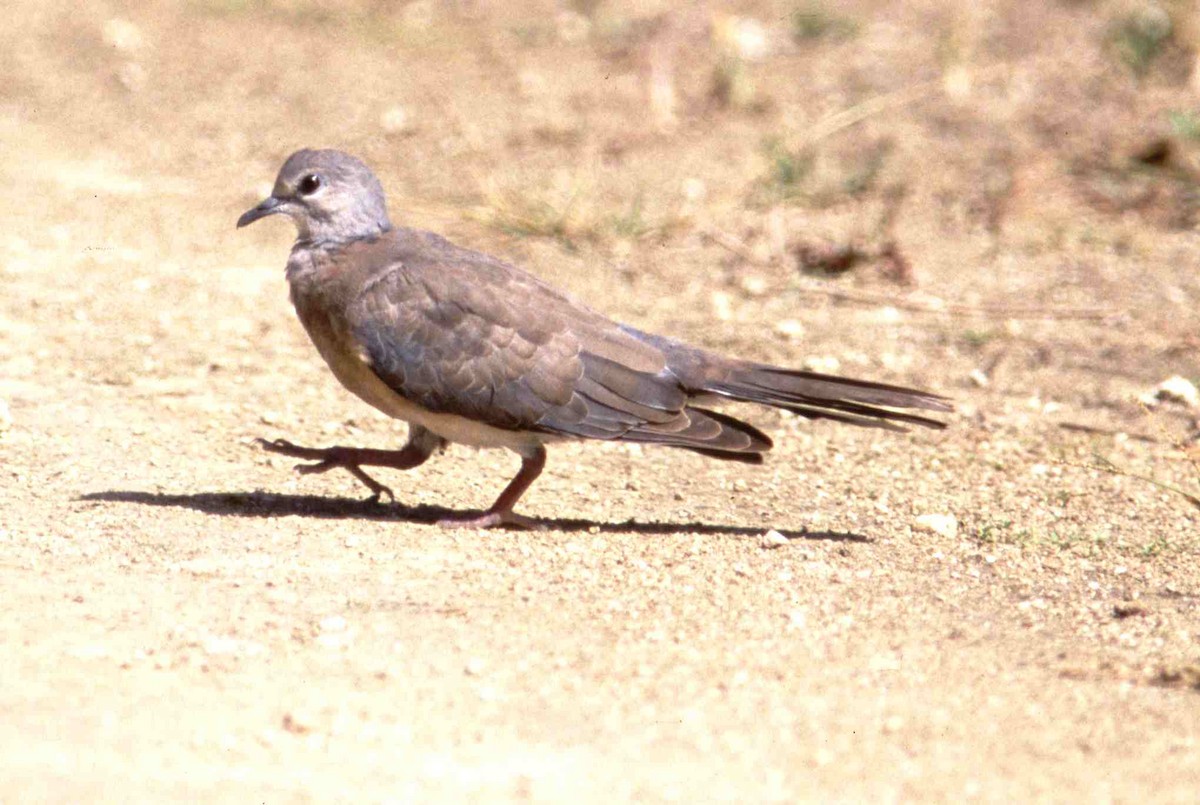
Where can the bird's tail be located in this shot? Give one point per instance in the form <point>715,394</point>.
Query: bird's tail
<point>819,396</point>
<point>707,377</point>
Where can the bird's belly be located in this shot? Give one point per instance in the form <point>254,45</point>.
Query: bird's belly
<point>354,373</point>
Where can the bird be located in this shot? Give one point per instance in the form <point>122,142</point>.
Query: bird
<point>470,349</point>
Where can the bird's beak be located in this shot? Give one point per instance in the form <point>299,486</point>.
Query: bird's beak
<point>268,206</point>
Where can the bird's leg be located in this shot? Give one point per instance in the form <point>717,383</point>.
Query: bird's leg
<point>413,454</point>
<point>501,512</point>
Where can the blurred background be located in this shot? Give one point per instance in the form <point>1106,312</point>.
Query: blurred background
<point>744,160</point>
<point>995,200</point>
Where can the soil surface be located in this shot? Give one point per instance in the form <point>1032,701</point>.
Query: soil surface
<point>996,201</point>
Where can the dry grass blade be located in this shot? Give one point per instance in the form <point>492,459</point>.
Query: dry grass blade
<point>1103,464</point>
<point>845,118</point>
<point>1078,427</point>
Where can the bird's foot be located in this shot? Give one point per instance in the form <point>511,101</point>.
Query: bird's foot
<point>492,519</point>
<point>326,459</point>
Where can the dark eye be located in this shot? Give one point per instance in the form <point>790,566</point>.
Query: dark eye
<point>309,184</point>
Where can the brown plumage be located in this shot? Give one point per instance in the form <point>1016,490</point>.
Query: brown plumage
<point>468,348</point>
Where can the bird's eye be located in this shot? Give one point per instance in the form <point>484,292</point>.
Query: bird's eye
<point>309,184</point>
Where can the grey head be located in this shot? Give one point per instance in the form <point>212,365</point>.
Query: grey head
<point>329,195</point>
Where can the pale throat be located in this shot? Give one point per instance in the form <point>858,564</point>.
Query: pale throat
<point>342,227</point>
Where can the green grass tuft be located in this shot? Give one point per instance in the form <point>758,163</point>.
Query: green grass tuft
<point>814,21</point>
<point>1141,37</point>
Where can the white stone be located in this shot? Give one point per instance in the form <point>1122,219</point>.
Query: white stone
<point>333,623</point>
<point>945,525</point>
<point>825,364</point>
<point>396,120</point>
<point>122,35</point>
<point>773,539</point>
<point>791,329</point>
<point>722,305</point>
<point>1174,389</point>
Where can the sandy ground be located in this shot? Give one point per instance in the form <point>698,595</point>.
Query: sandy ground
<point>187,618</point>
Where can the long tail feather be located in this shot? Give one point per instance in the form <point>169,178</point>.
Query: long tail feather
<point>820,396</point>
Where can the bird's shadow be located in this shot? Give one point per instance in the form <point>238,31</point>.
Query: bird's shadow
<point>270,504</point>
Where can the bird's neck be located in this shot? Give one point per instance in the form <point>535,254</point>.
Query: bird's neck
<point>322,234</point>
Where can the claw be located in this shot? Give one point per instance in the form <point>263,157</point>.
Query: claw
<point>378,490</point>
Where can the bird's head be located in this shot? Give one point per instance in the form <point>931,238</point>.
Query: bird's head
<point>329,195</point>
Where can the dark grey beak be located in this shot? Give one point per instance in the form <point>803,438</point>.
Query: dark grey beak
<point>268,206</point>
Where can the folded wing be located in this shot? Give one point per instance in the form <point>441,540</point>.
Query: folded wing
<point>457,332</point>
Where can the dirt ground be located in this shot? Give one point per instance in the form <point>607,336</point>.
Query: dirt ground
<point>996,201</point>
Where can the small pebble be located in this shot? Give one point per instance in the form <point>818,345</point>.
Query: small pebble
<point>755,285</point>
<point>826,364</point>
<point>773,539</point>
<point>945,525</point>
<point>694,189</point>
<point>792,329</point>
<point>743,37</point>
<point>296,724</point>
<point>722,305</point>
<point>397,121</point>
<point>1174,389</point>
<point>122,35</point>
<point>333,623</point>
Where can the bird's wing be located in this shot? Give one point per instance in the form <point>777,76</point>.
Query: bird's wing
<point>458,332</point>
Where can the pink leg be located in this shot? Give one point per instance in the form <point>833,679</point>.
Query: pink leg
<point>501,512</point>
